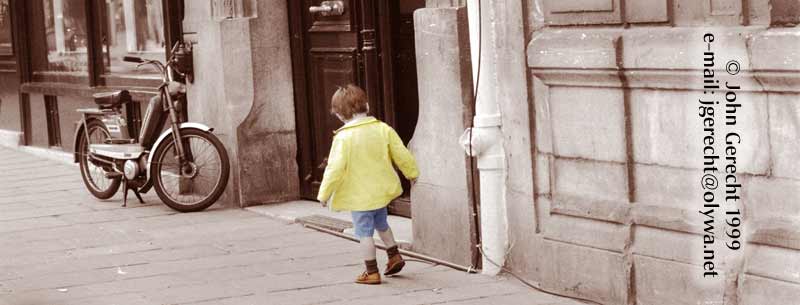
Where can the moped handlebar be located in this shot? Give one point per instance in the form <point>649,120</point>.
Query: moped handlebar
<point>132,59</point>
<point>166,70</point>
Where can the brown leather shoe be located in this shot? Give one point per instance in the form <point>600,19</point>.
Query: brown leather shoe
<point>369,278</point>
<point>394,265</point>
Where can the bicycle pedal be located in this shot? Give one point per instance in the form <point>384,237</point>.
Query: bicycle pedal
<point>112,175</point>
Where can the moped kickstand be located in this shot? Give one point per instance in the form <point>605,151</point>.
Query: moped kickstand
<point>125,189</point>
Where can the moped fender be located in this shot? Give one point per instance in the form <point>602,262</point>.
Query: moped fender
<point>76,139</point>
<point>168,133</point>
<point>91,114</point>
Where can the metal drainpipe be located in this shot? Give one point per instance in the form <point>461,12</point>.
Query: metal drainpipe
<point>487,146</point>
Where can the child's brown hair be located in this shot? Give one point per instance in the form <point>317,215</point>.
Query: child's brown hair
<point>349,100</point>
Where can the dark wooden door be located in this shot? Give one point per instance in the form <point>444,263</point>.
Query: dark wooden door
<point>400,79</point>
<point>326,54</point>
<point>331,50</point>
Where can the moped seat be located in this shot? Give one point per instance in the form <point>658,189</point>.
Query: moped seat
<point>111,100</point>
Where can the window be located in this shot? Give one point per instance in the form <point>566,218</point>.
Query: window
<point>132,28</point>
<point>66,46</point>
<point>223,9</point>
<point>65,35</point>
<point>5,28</point>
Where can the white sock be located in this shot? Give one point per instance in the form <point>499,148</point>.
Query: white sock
<point>387,237</point>
<point>367,248</point>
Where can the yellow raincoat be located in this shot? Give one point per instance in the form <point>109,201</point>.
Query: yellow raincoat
<point>359,175</point>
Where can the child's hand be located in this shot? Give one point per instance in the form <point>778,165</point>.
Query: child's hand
<point>412,182</point>
<point>324,203</point>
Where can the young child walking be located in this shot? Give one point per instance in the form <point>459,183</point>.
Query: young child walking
<point>360,177</point>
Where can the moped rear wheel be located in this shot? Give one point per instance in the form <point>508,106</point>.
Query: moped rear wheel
<point>197,183</point>
<point>94,176</point>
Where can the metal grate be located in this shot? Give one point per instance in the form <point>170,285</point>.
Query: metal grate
<point>134,117</point>
<point>330,223</point>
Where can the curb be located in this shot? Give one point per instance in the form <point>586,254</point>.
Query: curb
<point>44,153</point>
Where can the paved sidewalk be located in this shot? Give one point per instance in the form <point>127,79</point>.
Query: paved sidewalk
<point>59,245</point>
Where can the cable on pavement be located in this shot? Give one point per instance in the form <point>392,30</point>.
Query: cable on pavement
<point>418,256</point>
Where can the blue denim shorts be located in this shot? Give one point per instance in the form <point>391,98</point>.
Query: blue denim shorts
<point>366,222</point>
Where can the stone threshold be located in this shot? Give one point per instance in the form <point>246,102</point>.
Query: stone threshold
<point>311,212</point>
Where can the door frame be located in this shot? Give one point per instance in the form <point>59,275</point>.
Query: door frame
<point>375,76</point>
<point>299,84</point>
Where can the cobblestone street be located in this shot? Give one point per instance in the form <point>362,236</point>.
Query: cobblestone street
<point>59,245</point>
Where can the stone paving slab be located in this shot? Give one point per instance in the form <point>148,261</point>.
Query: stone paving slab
<point>61,246</point>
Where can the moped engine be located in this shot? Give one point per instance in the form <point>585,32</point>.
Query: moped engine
<point>133,169</point>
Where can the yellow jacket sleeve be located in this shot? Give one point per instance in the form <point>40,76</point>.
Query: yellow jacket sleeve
<point>401,157</point>
<point>336,169</point>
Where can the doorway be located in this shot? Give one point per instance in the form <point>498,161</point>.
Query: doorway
<point>364,42</point>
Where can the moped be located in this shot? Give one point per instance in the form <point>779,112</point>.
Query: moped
<point>186,164</point>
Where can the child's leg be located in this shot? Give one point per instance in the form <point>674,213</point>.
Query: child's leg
<point>382,225</point>
<point>364,223</point>
<point>387,237</point>
<point>395,263</point>
<point>367,245</point>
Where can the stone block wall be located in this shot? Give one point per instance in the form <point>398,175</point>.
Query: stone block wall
<point>243,88</point>
<point>618,150</point>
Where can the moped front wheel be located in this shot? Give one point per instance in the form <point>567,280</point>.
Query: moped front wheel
<point>94,176</point>
<point>197,182</point>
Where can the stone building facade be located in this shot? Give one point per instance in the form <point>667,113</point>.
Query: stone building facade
<point>589,141</point>
<point>596,102</point>
<point>619,150</point>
